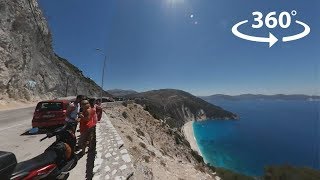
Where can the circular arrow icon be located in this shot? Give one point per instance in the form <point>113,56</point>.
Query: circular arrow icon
<point>298,36</point>
<point>271,39</point>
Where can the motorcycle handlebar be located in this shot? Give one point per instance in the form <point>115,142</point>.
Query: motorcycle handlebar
<point>43,138</point>
<point>57,131</point>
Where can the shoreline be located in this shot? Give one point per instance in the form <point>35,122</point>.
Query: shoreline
<point>189,135</point>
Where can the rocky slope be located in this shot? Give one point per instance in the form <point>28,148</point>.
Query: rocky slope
<point>176,107</point>
<point>158,151</point>
<point>29,69</point>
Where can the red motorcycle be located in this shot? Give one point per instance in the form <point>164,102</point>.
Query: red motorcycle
<point>55,163</point>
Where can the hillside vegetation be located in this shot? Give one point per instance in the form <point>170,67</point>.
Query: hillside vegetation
<point>176,107</point>
<point>121,92</point>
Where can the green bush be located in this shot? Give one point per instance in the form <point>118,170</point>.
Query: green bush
<point>290,173</point>
<point>200,167</point>
<point>227,174</point>
<point>197,156</point>
<point>155,116</point>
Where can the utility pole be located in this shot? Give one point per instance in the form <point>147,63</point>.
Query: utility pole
<point>77,88</point>
<point>103,69</point>
<point>67,86</point>
<point>104,64</point>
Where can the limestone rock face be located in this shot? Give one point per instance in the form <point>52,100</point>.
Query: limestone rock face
<point>29,69</point>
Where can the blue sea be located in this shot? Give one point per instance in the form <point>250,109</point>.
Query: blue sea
<point>269,132</point>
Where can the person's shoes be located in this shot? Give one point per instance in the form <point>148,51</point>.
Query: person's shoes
<point>77,148</point>
<point>79,155</point>
<point>83,152</point>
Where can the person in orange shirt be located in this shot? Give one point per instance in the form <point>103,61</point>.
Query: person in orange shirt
<point>99,109</point>
<point>93,107</point>
<point>86,125</point>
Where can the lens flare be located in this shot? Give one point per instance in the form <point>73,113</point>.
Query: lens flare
<point>173,3</point>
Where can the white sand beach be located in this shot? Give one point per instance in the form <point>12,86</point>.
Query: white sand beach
<point>189,134</point>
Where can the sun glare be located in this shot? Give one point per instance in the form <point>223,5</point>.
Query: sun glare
<point>173,3</point>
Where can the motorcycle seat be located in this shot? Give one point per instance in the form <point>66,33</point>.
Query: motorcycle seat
<point>46,158</point>
<point>8,162</point>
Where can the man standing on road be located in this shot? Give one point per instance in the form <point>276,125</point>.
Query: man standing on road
<point>72,113</point>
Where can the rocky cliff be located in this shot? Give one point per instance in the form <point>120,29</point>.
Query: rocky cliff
<point>29,68</point>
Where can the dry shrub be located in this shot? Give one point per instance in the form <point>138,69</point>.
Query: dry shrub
<point>139,132</point>
<point>124,103</point>
<point>129,137</point>
<point>134,148</point>
<point>124,114</point>
<point>199,167</point>
<point>163,163</point>
<point>152,153</point>
<point>146,159</point>
<point>163,152</point>
<point>142,145</point>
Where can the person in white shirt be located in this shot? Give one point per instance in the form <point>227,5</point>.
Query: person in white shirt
<point>72,113</point>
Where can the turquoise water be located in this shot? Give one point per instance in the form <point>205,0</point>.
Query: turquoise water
<point>268,133</point>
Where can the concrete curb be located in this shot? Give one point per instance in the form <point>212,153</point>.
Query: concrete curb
<point>112,160</point>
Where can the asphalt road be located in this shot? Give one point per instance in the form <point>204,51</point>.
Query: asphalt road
<point>13,123</point>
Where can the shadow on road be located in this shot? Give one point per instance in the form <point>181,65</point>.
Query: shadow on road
<point>91,156</point>
<point>91,153</point>
<point>31,132</point>
<point>36,131</point>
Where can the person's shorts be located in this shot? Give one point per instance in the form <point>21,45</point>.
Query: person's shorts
<point>85,136</point>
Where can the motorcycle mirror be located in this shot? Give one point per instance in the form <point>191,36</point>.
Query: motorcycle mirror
<point>34,130</point>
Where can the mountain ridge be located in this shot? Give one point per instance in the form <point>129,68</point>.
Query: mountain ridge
<point>121,92</point>
<point>176,107</point>
<point>261,97</point>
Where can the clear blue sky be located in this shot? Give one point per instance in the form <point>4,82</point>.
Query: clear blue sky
<point>187,44</point>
